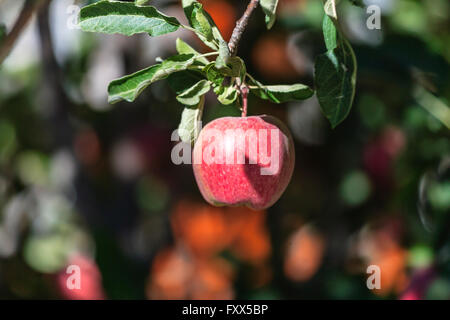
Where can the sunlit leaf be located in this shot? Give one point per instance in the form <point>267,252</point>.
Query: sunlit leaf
<point>203,24</point>
<point>192,95</point>
<point>213,74</point>
<point>190,124</point>
<point>224,55</point>
<point>129,87</point>
<point>141,2</point>
<point>330,8</point>
<point>269,7</point>
<point>125,18</point>
<point>226,95</point>
<point>329,33</point>
<point>282,93</point>
<point>184,48</point>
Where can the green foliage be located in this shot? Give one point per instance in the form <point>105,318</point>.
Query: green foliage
<point>224,55</point>
<point>330,9</point>
<point>129,87</point>
<point>191,74</point>
<point>235,68</point>
<point>192,95</point>
<point>282,93</point>
<point>203,24</point>
<point>184,48</point>
<point>141,2</point>
<point>226,94</point>
<point>213,74</point>
<point>335,79</point>
<point>329,33</point>
<point>335,70</point>
<point>125,18</point>
<point>189,127</point>
<point>269,7</point>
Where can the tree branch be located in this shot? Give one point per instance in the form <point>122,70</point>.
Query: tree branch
<point>51,87</point>
<point>241,24</point>
<point>29,7</point>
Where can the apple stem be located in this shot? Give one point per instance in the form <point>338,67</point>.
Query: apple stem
<point>244,93</point>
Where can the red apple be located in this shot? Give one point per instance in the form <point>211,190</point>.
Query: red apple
<point>244,161</point>
<point>90,279</point>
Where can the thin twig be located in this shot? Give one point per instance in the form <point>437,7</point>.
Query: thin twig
<point>241,24</point>
<point>51,87</point>
<point>29,7</point>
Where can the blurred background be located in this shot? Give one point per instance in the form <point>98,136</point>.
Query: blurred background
<point>86,183</point>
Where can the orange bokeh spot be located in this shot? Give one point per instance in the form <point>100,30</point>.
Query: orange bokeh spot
<point>212,280</point>
<point>270,57</point>
<point>208,230</point>
<point>201,227</point>
<point>304,254</point>
<point>177,275</point>
<point>193,270</point>
<point>170,275</point>
<point>223,14</point>
<point>380,245</point>
<point>392,265</point>
<point>251,240</point>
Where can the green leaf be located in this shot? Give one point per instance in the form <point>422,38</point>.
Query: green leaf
<point>237,66</point>
<point>125,18</point>
<point>129,87</point>
<point>224,55</point>
<point>184,48</point>
<point>182,80</point>
<point>281,93</point>
<point>213,74</point>
<point>190,124</point>
<point>188,7</point>
<point>335,71</point>
<point>330,9</point>
<point>191,96</point>
<point>269,7</point>
<point>203,24</point>
<point>226,95</point>
<point>335,81</point>
<point>234,68</point>
<point>330,33</point>
<point>141,2</point>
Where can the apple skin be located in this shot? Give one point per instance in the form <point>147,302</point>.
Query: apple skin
<point>237,184</point>
<point>91,280</point>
